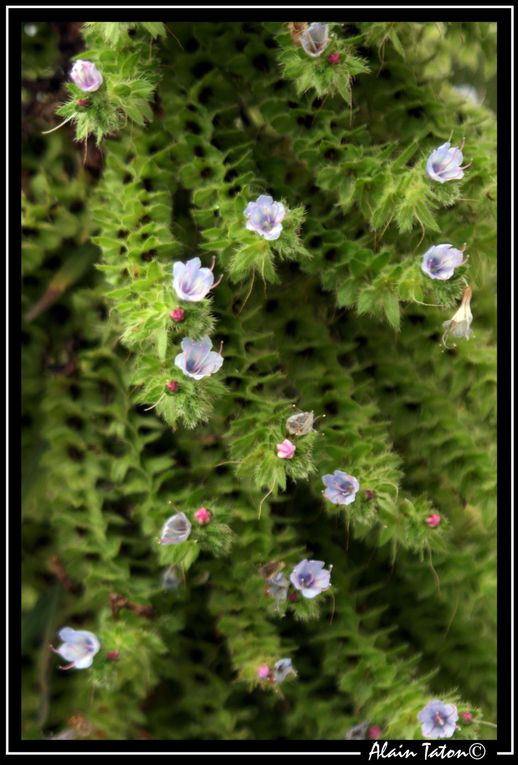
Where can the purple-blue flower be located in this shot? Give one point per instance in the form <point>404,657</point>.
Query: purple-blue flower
<point>191,282</point>
<point>197,360</point>
<point>445,163</point>
<point>175,530</point>
<point>265,217</point>
<point>341,487</point>
<point>441,260</point>
<point>78,648</point>
<point>315,39</point>
<point>311,578</point>
<point>438,719</point>
<point>86,76</point>
<point>281,670</point>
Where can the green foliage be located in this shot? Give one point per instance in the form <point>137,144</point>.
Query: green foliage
<point>334,317</point>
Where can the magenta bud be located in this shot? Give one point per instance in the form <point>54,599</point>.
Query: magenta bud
<point>113,655</point>
<point>374,732</point>
<point>293,597</point>
<point>467,716</point>
<point>369,494</point>
<point>172,386</point>
<point>263,672</point>
<point>82,102</point>
<point>203,516</point>
<point>334,58</point>
<point>178,314</point>
<point>433,520</point>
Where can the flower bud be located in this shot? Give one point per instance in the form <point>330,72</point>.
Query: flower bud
<point>203,516</point>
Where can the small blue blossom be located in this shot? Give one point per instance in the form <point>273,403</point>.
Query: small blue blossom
<point>175,530</point>
<point>438,719</point>
<point>315,39</point>
<point>341,488</point>
<point>197,360</point>
<point>441,260</point>
<point>311,578</point>
<point>265,217</point>
<point>281,670</point>
<point>445,163</point>
<point>78,648</point>
<point>191,282</point>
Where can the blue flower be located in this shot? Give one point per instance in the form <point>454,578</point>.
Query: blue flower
<point>341,488</point>
<point>78,648</point>
<point>441,260</point>
<point>281,670</point>
<point>315,39</point>
<point>445,163</point>
<point>438,719</point>
<point>176,529</point>
<point>191,282</point>
<point>311,578</point>
<point>265,217</point>
<point>197,359</point>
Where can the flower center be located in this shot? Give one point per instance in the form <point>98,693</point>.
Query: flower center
<point>438,719</point>
<point>306,580</point>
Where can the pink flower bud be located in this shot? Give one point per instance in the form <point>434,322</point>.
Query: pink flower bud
<point>203,516</point>
<point>292,597</point>
<point>369,494</point>
<point>113,655</point>
<point>286,450</point>
<point>178,314</point>
<point>172,386</point>
<point>433,520</point>
<point>82,102</point>
<point>467,716</point>
<point>263,672</point>
<point>334,58</point>
<point>374,732</point>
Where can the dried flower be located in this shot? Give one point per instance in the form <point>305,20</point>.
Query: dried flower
<point>315,39</point>
<point>281,670</point>
<point>341,488</point>
<point>438,719</point>
<point>300,424</point>
<point>172,386</point>
<point>86,76</point>
<point>445,163</point>
<point>203,516</point>
<point>334,58</point>
<point>178,314</point>
<point>197,359</point>
<point>460,324</point>
<point>433,520</point>
<point>78,647</point>
<point>297,29</point>
<point>263,671</point>
<point>191,282</point>
<point>175,530</point>
<point>358,732</point>
<point>264,216</point>
<point>286,450</point>
<point>311,578</point>
<point>441,260</point>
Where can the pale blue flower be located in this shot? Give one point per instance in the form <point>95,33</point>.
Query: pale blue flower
<point>191,282</point>
<point>281,670</point>
<point>265,217</point>
<point>341,488</point>
<point>197,360</point>
<point>176,529</point>
<point>86,76</point>
<point>445,163</point>
<point>441,260</point>
<point>311,578</point>
<point>438,719</point>
<point>78,648</point>
<point>315,39</point>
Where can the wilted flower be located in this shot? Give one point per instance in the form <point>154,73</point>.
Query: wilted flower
<point>297,29</point>
<point>203,516</point>
<point>78,647</point>
<point>341,488</point>
<point>281,670</point>
<point>286,450</point>
<point>86,76</point>
<point>191,282</point>
<point>358,732</point>
<point>441,260</point>
<point>175,530</point>
<point>311,578</point>
<point>433,520</point>
<point>438,719</point>
<point>263,671</point>
<point>197,359</point>
<point>265,217</point>
<point>445,163</point>
<point>177,314</point>
<point>460,324</point>
<point>315,39</point>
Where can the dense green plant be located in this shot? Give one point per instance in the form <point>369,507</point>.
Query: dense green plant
<point>194,121</point>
